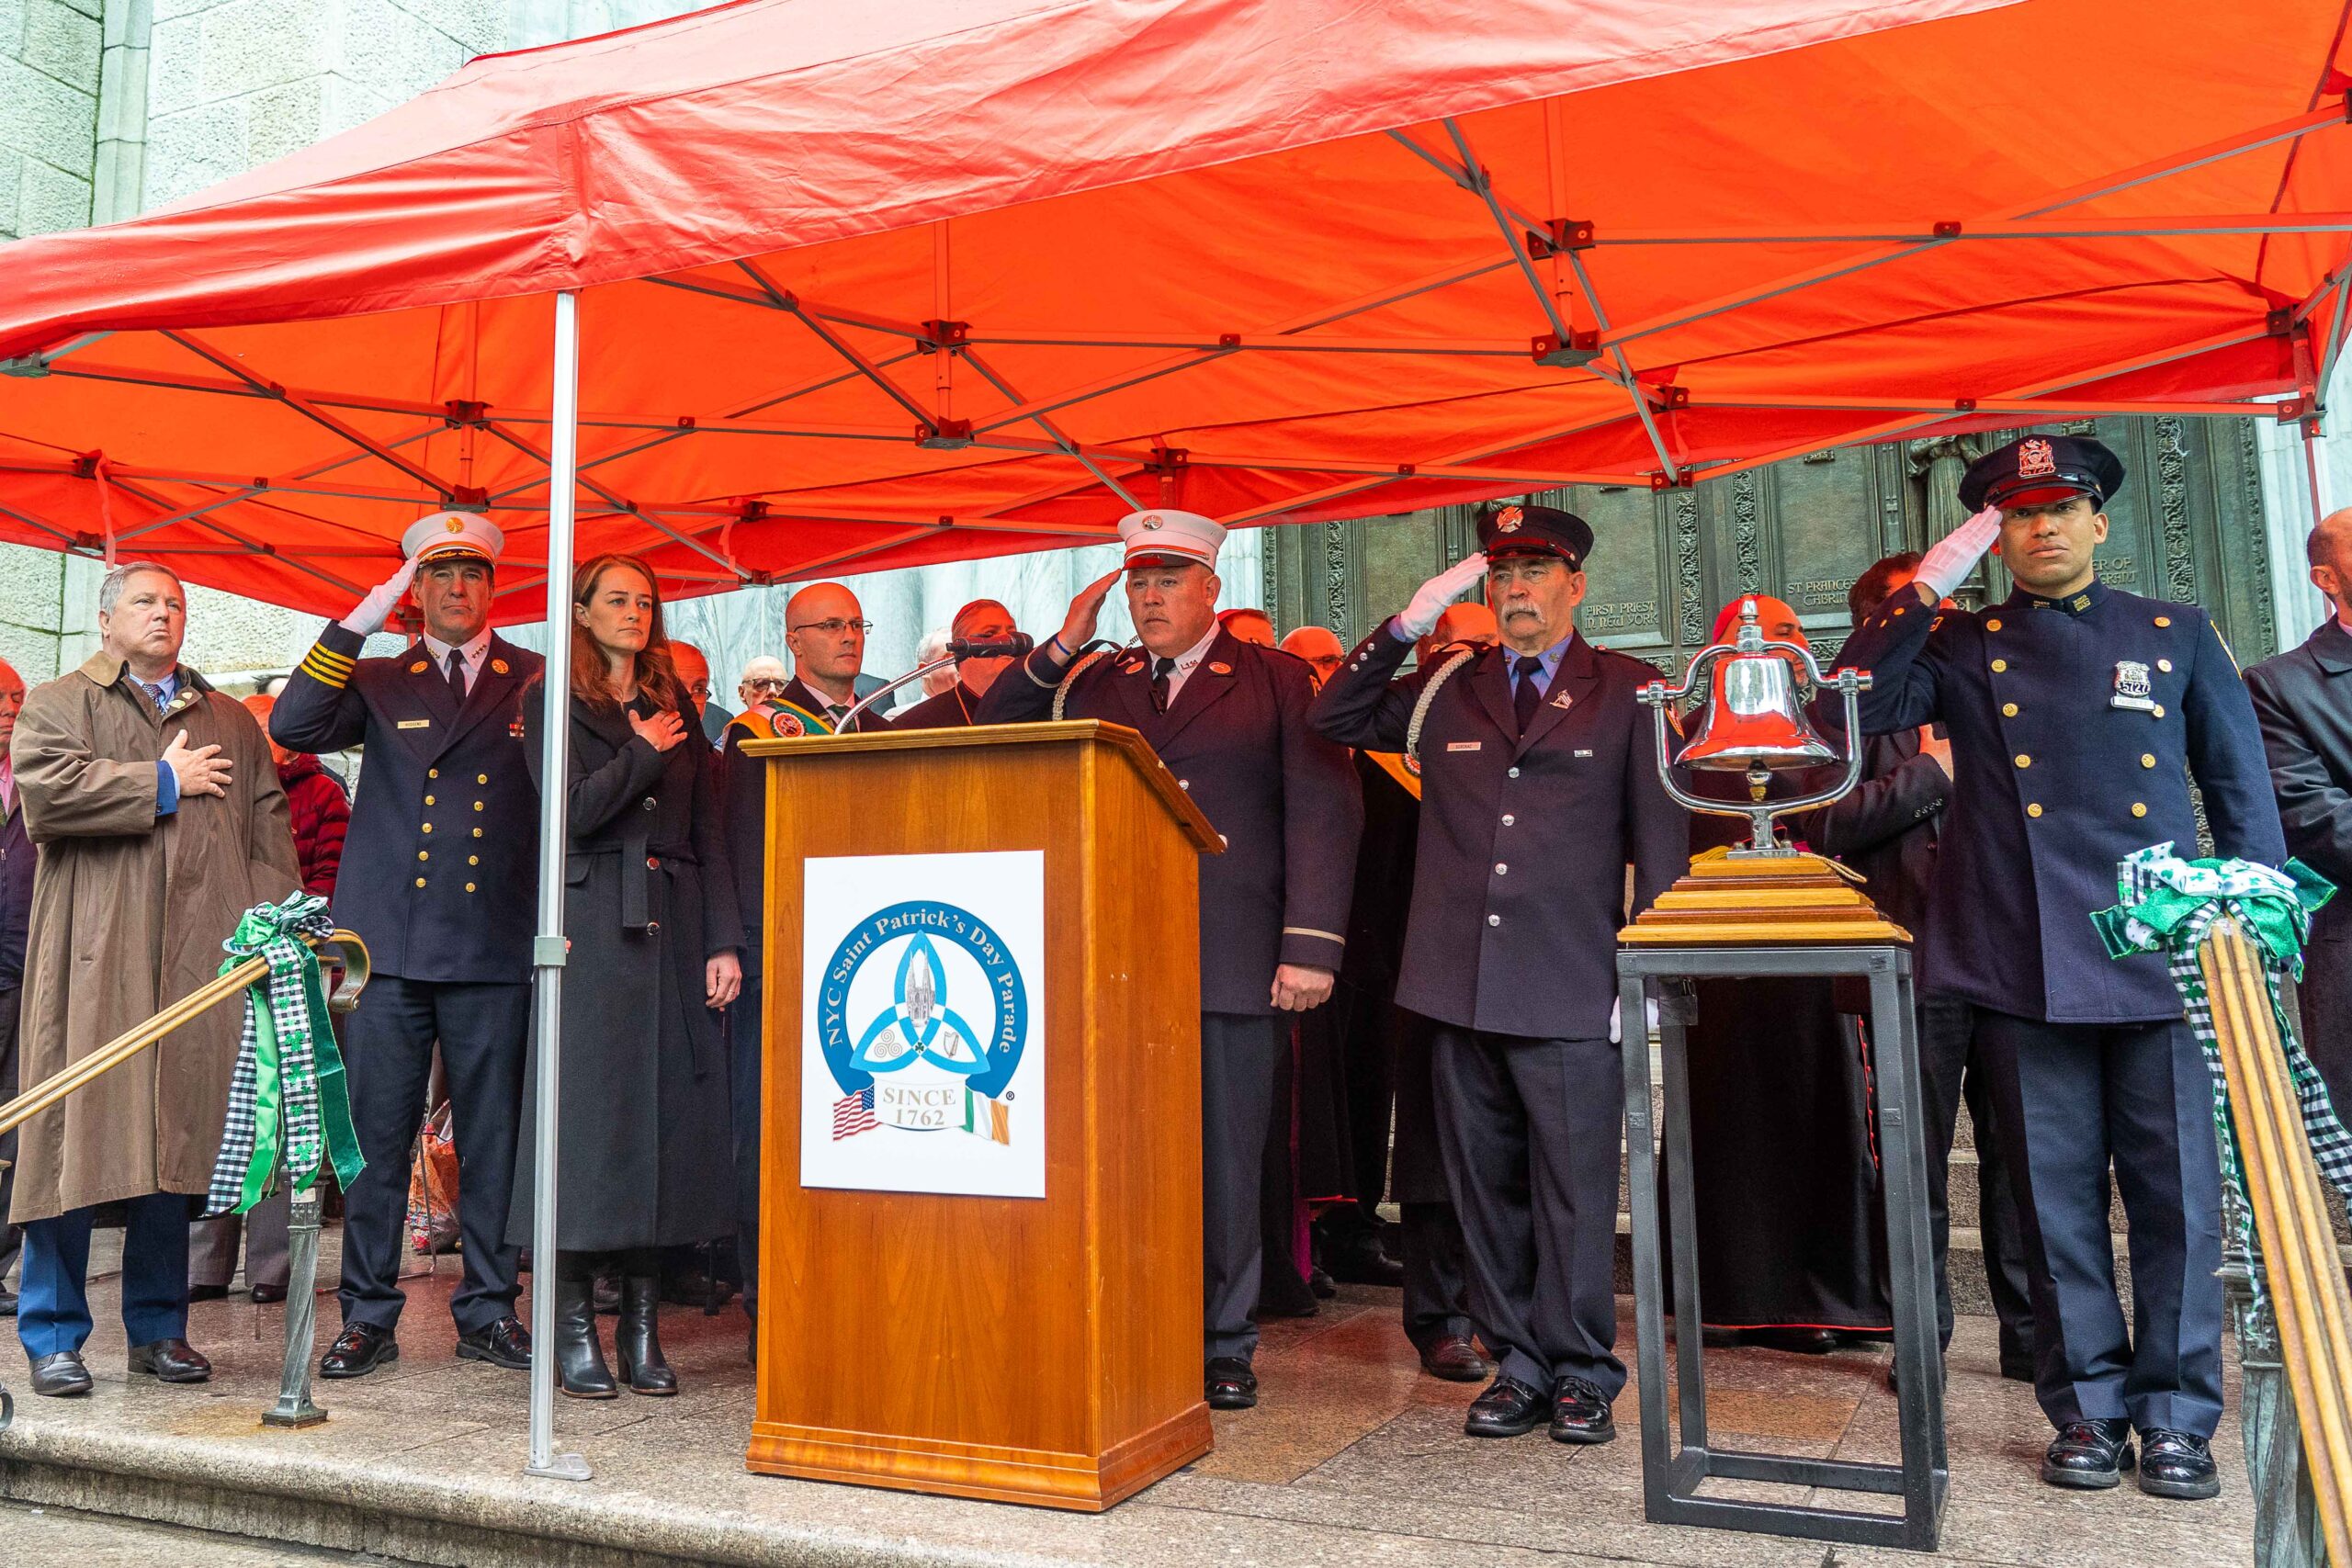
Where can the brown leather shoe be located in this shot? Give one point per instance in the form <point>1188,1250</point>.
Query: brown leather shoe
<point>171,1360</point>
<point>1454,1358</point>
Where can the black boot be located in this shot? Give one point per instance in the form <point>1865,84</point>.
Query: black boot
<point>580,1367</point>
<point>637,1343</point>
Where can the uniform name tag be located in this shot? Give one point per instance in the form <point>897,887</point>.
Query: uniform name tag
<point>1584,750</point>
<point>1463,745</point>
<point>414,724</point>
<point>2132,687</point>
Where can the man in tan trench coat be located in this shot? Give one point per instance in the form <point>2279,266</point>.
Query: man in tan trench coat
<point>160,822</point>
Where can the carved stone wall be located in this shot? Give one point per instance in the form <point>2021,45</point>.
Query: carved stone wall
<point>2189,526</point>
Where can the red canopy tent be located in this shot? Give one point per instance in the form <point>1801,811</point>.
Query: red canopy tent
<point>875,286</point>
<point>865,286</point>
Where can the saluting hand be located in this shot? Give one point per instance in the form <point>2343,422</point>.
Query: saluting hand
<point>1950,558</point>
<point>1298,986</point>
<point>381,600</point>
<point>1078,626</point>
<point>722,980</point>
<point>663,731</point>
<point>200,770</point>
<point>1419,618</point>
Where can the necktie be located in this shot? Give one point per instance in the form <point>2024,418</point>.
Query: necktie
<point>457,677</point>
<point>834,714</point>
<point>1160,669</point>
<point>155,695</point>
<point>1530,695</point>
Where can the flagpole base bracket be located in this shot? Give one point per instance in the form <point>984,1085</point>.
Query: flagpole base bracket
<point>560,1467</point>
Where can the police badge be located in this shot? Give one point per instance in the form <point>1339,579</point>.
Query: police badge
<point>2133,690</point>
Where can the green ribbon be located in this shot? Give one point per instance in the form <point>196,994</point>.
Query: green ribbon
<point>2167,905</point>
<point>288,1103</point>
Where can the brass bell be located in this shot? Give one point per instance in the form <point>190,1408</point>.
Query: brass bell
<point>1754,719</point>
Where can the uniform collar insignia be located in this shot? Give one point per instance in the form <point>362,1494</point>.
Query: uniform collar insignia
<point>499,665</point>
<point>2073,604</point>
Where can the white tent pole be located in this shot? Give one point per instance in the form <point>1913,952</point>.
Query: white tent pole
<point>548,954</point>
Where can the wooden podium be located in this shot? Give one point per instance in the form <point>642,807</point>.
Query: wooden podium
<point>1024,1350</point>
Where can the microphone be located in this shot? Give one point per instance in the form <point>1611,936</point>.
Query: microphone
<point>1013,647</point>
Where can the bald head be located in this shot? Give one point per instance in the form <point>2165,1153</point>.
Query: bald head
<point>2329,549</point>
<point>825,630</point>
<point>765,677</point>
<point>1319,646</point>
<point>693,670</point>
<point>1468,622</point>
<point>12,699</point>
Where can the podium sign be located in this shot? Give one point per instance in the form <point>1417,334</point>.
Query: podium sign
<point>980,1160</point>
<point>921,1040</point>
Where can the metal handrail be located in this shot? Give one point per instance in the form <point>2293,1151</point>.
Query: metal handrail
<point>294,1407</point>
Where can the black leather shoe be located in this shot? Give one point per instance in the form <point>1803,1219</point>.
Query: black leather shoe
<point>2017,1369</point>
<point>505,1343</point>
<point>1507,1409</point>
<point>61,1376</point>
<point>265,1295</point>
<point>1361,1260</point>
<point>1454,1358</point>
<point>7,1301</point>
<point>2174,1464</point>
<point>637,1342</point>
<point>1580,1414</point>
<point>1231,1384</point>
<point>2089,1456</point>
<point>1322,1284</point>
<point>171,1360</point>
<point>359,1350</point>
<point>207,1293</point>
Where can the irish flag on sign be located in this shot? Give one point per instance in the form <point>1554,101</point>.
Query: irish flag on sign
<point>986,1118</point>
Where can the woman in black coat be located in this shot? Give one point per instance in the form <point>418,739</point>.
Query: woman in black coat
<point>649,907</point>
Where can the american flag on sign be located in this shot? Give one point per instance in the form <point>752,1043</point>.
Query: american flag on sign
<point>853,1114</point>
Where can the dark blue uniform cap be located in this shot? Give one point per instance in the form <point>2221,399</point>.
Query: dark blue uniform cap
<point>1527,530</point>
<point>2038,469</point>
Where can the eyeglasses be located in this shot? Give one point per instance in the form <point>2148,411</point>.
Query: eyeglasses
<point>833,627</point>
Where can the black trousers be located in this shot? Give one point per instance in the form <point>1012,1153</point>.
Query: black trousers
<point>1240,1054</point>
<point>2068,1099</point>
<point>11,1238</point>
<point>1530,1130</point>
<point>1951,1072</point>
<point>482,1030</point>
<point>1437,1296</point>
<point>744,1087</point>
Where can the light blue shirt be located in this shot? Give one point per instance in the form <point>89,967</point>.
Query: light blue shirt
<point>1549,659</point>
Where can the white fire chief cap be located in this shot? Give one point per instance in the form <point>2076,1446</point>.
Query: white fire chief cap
<point>1163,537</point>
<point>448,533</point>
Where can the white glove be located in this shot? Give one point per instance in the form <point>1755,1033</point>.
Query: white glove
<point>1430,599</point>
<point>1615,1008</point>
<point>381,600</point>
<point>1950,558</point>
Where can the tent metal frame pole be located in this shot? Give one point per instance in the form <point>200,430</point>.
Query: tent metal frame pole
<point>548,951</point>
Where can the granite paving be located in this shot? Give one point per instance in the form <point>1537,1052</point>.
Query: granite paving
<point>1354,1456</point>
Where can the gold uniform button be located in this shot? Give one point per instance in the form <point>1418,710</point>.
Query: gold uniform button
<point>2033,810</point>
<point>428,827</point>
<point>1999,665</point>
<point>2147,759</point>
<point>2158,710</point>
<point>432,772</point>
<point>484,778</point>
<point>2163,620</point>
<point>2139,809</point>
<point>477,805</point>
<point>2024,760</point>
<point>2164,665</point>
<point>473,860</point>
<point>420,881</point>
<point>476,833</point>
<point>1898,609</point>
<point>424,855</point>
<point>2009,710</point>
<point>429,800</point>
<point>469,886</point>
<point>1993,626</point>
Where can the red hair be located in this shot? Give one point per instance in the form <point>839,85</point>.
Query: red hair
<point>657,672</point>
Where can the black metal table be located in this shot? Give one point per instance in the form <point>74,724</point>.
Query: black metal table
<point>1671,1480</point>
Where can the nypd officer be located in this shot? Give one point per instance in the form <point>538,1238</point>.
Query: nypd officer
<point>440,878</point>
<point>1538,790</point>
<point>2078,714</point>
<point>1229,720</point>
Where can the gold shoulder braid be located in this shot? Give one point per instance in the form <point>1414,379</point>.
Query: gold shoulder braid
<point>1061,691</point>
<point>1422,708</point>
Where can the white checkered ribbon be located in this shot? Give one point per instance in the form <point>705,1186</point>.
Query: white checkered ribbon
<point>2167,905</point>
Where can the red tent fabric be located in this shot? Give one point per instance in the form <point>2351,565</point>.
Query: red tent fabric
<point>866,287</point>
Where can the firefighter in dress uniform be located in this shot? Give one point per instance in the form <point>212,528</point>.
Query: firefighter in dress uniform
<point>440,878</point>
<point>1229,720</point>
<point>2078,714</point>
<point>1538,790</point>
